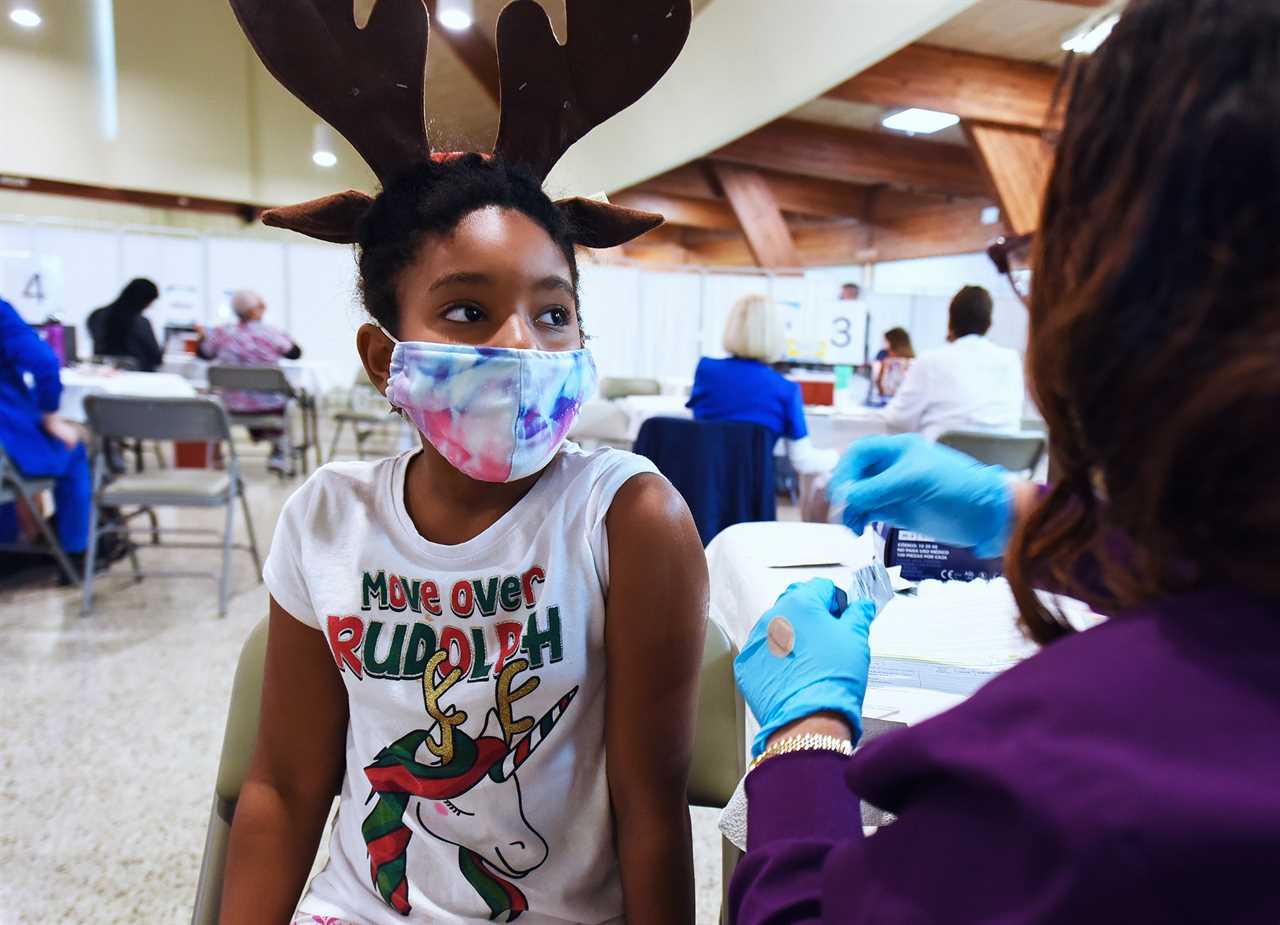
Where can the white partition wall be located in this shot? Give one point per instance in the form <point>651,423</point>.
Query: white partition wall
<point>237,263</point>
<point>646,323</point>
<point>324,308</point>
<point>176,264</point>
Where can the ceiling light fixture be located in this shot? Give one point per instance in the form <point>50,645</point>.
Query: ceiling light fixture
<point>919,121</point>
<point>1090,38</point>
<point>25,17</point>
<point>455,14</point>
<point>322,154</point>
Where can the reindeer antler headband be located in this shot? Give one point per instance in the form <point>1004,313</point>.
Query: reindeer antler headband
<point>361,66</point>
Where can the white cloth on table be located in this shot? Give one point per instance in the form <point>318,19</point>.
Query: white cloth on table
<point>970,384</point>
<point>80,382</point>
<point>313,378</point>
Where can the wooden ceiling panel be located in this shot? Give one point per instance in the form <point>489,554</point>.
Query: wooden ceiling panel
<point>972,86</point>
<point>1026,30</point>
<point>857,157</point>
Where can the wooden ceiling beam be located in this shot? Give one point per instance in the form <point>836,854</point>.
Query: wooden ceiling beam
<point>1018,163</point>
<point>475,52</point>
<point>972,86</point>
<point>795,194</point>
<point>954,228</point>
<point>853,156</point>
<point>680,210</point>
<point>758,213</point>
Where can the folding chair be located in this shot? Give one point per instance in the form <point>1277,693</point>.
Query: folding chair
<point>270,380</point>
<point>202,420</point>
<point>1015,452</point>
<point>15,489</point>
<point>719,756</point>
<point>364,422</point>
<point>720,743</point>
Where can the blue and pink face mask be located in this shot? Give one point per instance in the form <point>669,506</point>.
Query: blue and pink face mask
<point>494,413</point>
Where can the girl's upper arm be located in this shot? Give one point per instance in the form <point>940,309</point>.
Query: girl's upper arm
<point>302,725</point>
<point>654,635</point>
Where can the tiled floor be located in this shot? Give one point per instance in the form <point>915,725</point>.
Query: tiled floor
<point>112,726</point>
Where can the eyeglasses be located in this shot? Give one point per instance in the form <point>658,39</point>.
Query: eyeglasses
<point>1003,252</point>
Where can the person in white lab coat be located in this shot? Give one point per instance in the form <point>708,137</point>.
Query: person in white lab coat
<point>970,384</point>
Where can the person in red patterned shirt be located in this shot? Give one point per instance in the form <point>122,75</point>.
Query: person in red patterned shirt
<point>250,342</point>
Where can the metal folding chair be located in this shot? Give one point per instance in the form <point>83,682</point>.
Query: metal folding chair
<point>202,420</point>
<point>1015,452</point>
<point>15,489</point>
<point>364,422</point>
<point>271,380</point>
<point>719,756</point>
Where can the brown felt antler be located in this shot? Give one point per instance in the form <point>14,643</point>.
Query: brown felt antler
<point>361,66</point>
<point>554,94</point>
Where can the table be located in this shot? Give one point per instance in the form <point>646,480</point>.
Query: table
<point>838,430</point>
<point>314,379</point>
<point>752,564</point>
<point>79,382</point>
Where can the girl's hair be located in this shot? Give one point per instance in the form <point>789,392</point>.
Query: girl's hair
<point>431,199</point>
<point>1154,351</point>
<point>900,343</point>
<point>754,330</point>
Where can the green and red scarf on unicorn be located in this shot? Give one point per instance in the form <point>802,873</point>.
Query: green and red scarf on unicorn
<point>484,767</point>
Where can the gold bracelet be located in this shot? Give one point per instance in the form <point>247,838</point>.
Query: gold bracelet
<point>804,743</point>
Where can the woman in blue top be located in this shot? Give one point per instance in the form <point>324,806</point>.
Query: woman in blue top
<point>743,387</point>
<point>39,442</point>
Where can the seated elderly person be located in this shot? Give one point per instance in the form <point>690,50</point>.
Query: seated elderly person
<point>250,342</point>
<point>743,387</point>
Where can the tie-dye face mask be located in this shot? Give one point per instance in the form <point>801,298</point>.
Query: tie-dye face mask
<point>494,413</point>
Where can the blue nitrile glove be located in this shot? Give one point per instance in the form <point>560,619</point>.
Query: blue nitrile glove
<point>825,668</point>
<point>913,483</point>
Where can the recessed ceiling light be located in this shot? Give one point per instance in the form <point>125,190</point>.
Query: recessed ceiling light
<point>919,121</point>
<point>324,159</point>
<point>1090,39</point>
<point>27,19</point>
<point>456,20</point>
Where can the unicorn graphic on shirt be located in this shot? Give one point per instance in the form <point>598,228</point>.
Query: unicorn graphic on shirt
<point>476,790</point>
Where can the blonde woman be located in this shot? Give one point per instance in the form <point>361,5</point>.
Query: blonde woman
<point>743,386</point>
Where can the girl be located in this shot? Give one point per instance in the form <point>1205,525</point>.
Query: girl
<point>489,645</point>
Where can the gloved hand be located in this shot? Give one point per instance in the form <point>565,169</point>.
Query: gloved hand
<point>808,654</point>
<point>913,483</point>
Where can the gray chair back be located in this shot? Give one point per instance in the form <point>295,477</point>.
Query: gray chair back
<point>1015,452</point>
<point>198,420</point>
<point>719,742</point>
<point>250,379</point>
<point>8,472</point>
<point>612,388</point>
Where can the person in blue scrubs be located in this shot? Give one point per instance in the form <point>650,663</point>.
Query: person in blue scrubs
<point>39,442</point>
<point>742,386</point>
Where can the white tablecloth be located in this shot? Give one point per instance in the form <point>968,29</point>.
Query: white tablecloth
<point>312,378</point>
<point>752,564</point>
<point>838,431</point>
<point>80,382</point>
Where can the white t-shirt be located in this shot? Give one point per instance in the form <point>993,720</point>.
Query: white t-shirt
<point>481,794</point>
<point>970,384</point>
